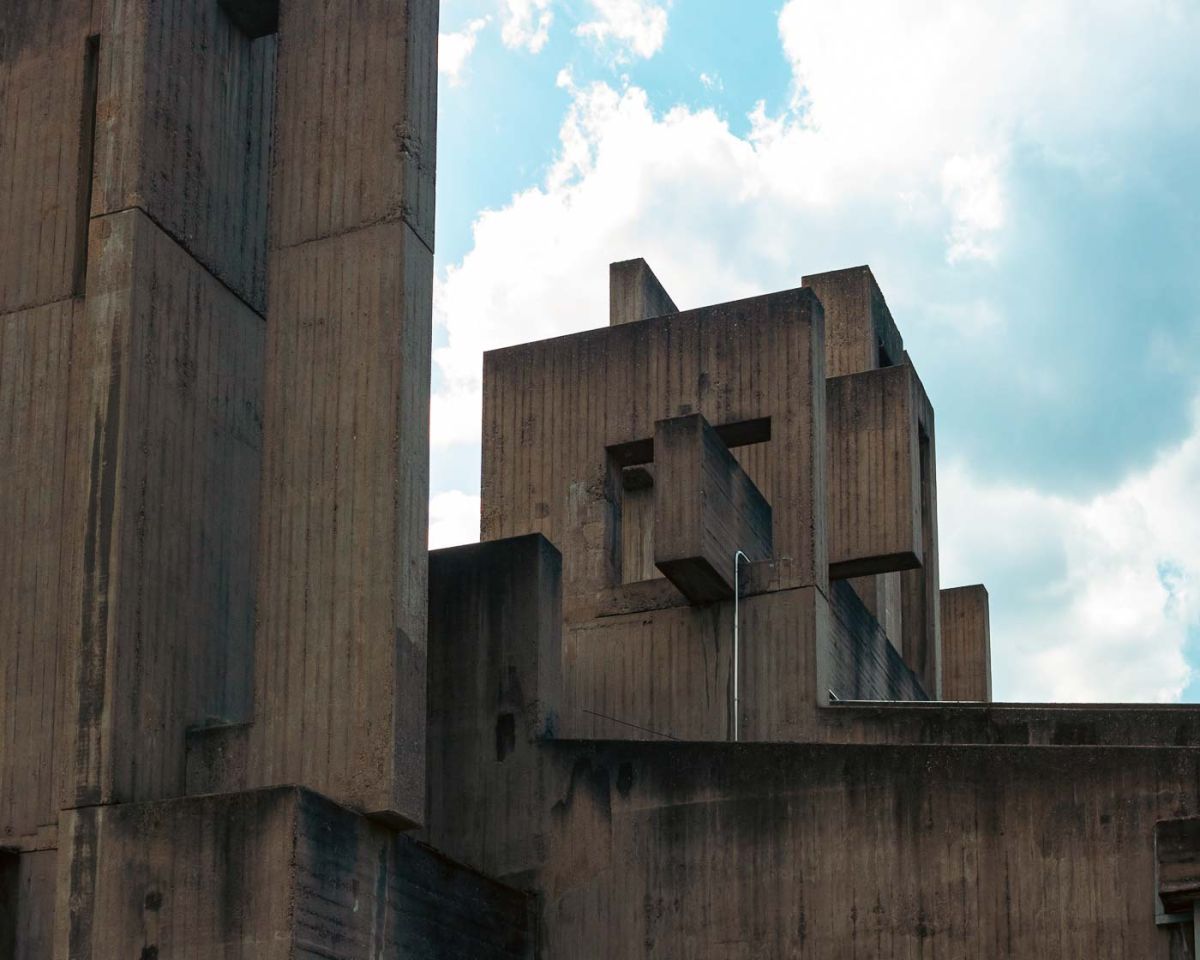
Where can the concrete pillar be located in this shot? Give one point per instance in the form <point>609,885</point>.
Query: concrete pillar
<point>966,644</point>
<point>340,658</point>
<point>860,335</point>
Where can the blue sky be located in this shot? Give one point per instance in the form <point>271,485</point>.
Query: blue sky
<point>1021,178</point>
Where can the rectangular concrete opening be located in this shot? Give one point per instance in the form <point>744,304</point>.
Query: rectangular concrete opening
<point>87,151</point>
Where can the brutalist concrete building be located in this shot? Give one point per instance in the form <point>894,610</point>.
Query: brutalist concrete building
<point>698,693</point>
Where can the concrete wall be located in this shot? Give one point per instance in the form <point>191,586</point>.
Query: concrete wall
<point>564,417</point>
<point>891,852</point>
<point>174,353</point>
<point>278,873</point>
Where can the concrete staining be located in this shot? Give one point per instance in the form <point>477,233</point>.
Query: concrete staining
<point>245,714</point>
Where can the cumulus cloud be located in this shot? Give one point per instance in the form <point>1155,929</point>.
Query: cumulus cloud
<point>1097,595</point>
<point>526,24</point>
<point>908,144</point>
<point>454,49</point>
<point>634,26</point>
<point>453,519</point>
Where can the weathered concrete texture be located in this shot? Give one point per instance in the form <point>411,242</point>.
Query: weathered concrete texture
<point>42,376</point>
<point>635,293</point>
<point>920,591</point>
<point>173,422</point>
<point>340,658</point>
<point>183,131</point>
<point>966,644</point>
<point>357,118</point>
<point>706,510</point>
<point>669,675</point>
<point>875,522</point>
<point>495,682</point>
<point>860,334</point>
<point>1177,858</point>
<point>45,107</point>
<point>279,873</point>
<point>880,594</point>
<point>27,904</point>
<point>1065,725</point>
<point>561,417</point>
<point>747,851</point>
<point>859,663</point>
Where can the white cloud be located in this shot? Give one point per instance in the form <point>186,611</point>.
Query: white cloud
<point>636,26</point>
<point>453,519</point>
<point>526,24</point>
<point>454,49</point>
<point>973,195</point>
<point>1108,620</point>
<point>712,81</point>
<point>900,141</point>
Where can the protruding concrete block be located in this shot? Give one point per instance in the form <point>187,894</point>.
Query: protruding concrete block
<point>875,521</point>
<point>966,644</point>
<point>635,293</point>
<point>706,509</point>
<point>495,692</point>
<point>860,334</point>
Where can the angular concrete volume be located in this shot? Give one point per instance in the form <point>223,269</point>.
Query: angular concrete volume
<point>874,473</point>
<point>966,644</point>
<point>635,293</point>
<point>705,510</point>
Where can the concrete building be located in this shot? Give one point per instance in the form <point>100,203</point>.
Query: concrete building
<point>698,693</point>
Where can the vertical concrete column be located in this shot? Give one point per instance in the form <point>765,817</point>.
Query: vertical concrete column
<point>160,431</point>
<point>966,644</point>
<point>860,335</point>
<point>920,588</point>
<point>340,649</point>
<point>495,689</point>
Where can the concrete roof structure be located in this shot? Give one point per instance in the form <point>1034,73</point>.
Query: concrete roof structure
<point>699,691</point>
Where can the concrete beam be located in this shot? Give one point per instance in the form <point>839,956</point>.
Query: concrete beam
<point>966,644</point>
<point>635,293</point>
<point>874,473</point>
<point>706,508</point>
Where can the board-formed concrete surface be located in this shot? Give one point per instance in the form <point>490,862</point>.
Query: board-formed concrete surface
<point>244,713</point>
